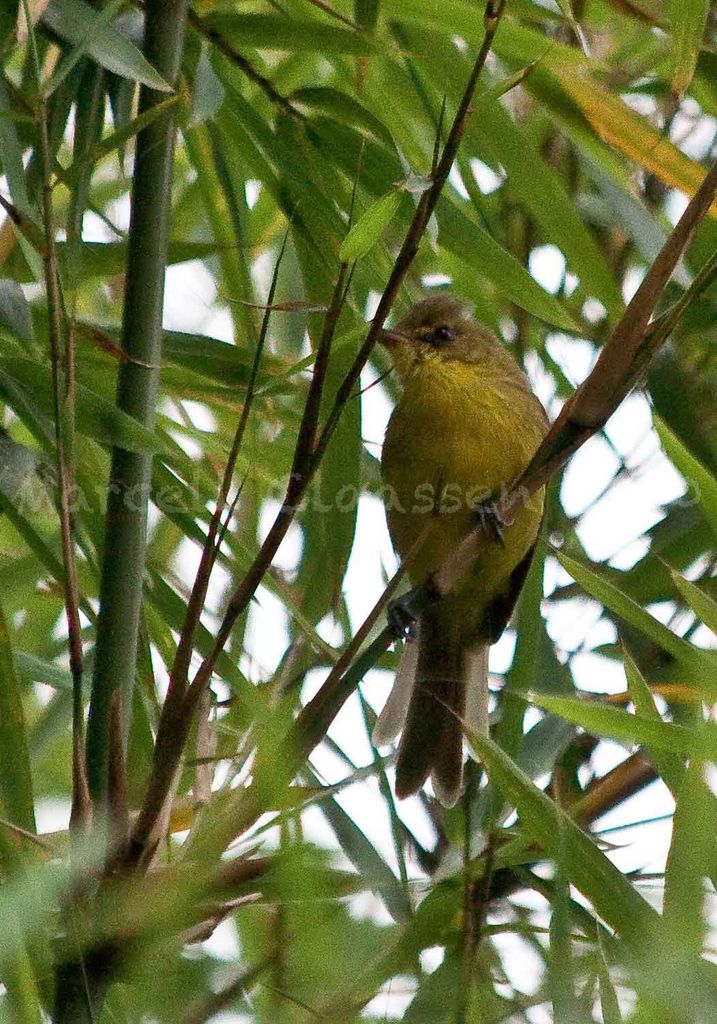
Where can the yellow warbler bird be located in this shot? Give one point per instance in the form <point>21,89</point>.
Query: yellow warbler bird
<point>466,425</point>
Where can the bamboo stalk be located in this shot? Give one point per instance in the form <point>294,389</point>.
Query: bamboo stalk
<point>129,488</point>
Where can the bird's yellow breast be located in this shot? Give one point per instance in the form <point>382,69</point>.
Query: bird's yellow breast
<point>459,434</point>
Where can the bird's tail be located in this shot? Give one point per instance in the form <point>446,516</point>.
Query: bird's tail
<point>440,687</point>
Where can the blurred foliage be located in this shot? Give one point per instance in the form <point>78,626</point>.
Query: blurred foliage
<point>592,120</point>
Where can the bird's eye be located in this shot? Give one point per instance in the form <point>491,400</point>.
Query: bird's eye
<point>440,335</point>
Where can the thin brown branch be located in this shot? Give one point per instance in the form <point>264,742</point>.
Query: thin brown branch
<point>310,449</point>
<point>306,441</point>
<point>297,489</point>
<point>63,386</point>
<point>180,667</point>
<point>608,792</point>
<point>177,713</point>
<point>424,210</point>
<point>333,13</point>
<point>22,833</point>
<point>303,469</point>
<point>207,1009</point>
<point>206,747</point>
<point>621,361</point>
<point>245,66</point>
<point>316,716</point>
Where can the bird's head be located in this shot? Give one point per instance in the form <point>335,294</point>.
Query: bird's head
<point>440,327</point>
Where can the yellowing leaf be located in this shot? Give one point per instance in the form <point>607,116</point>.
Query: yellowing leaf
<point>625,130</point>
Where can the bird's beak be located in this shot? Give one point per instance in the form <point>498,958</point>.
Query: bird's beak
<point>391,338</point>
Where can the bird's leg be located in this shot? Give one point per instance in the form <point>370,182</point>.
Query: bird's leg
<point>491,519</point>
<point>401,617</point>
<point>404,612</point>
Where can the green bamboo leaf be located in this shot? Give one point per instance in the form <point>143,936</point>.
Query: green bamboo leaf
<point>11,154</point>
<point>697,477</point>
<point>20,979</point>
<point>561,956</point>
<point>102,18</point>
<point>543,192</point>
<point>365,857</point>
<point>535,666</point>
<point>704,607</point>
<point>190,361</point>
<point>37,670</point>
<point>343,108</point>
<point>120,92</point>
<point>318,222</point>
<point>544,744</point>
<point>594,116</point>
<point>117,140</point>
<point>368,229</point>
<point>278,32</point>
<point>487,97</point>
<point>82,26</point>
<point>609,1004</point>
<point>330,520</point>
<point>429,926</point>
<point>456,17</point>
<point>669,765</point>
<point>702,663</point>
<point>15,774</point>
<point>96,417</point>
<point>105,259</point>
<point>440,993</point>
<point>589,870</point>
<point>472,244</point>
<point>208,92</point>
<point>606,720</point>
<point>18,467</point>
<point>567,12</point>
<point>683,397</point>
<point>689,861</point>
<point>687,19</point>
<point>25,526</point>
<point>622,202</point>
<point>11,163</point>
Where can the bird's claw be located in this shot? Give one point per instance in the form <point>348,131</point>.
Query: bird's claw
<point>402,619</point>
<point>492,520</point>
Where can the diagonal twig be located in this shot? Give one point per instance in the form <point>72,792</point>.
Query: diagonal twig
<point>621,362</point>
<point>310,449</point>
<point>297,488</point>
<point>176,712</point>
<point>63,386</point>
<point>605,388</point>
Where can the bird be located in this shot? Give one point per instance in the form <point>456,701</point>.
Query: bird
<point>465,426</point>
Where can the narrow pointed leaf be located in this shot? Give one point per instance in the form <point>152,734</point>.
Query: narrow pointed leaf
<point>703,663</point>
<point>589,870</point>
<point>370,226</point>
<point>80,25</point>
<point>606,720</point>
<point>700,481</point>
<point>15,775</point>
<point>688,19</point>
